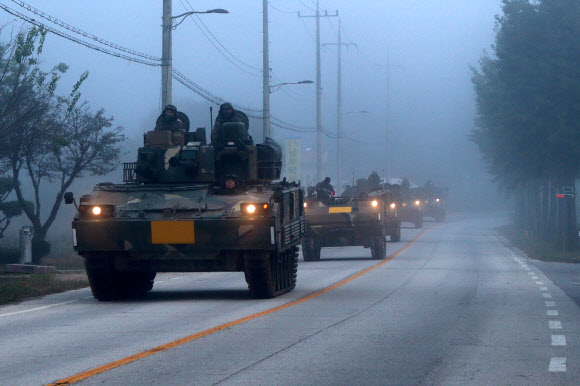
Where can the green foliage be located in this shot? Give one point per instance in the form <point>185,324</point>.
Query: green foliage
<point>45,138</point>
<point>528,93</point>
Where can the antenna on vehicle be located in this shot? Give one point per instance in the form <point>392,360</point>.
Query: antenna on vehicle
<point>210,117</point>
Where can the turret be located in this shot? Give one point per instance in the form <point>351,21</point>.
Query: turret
<point>168,157</point>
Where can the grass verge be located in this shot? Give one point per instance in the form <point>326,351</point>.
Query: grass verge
<point>15,288</point>
<point>538,250</point>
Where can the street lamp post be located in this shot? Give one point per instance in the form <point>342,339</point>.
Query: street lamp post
<point>273,89</point>
<point>166,50</point>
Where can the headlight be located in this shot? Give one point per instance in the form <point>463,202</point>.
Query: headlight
<point>96,211</point>
<point>255,209</point>
<point>375,203</point>
<point>437,200</point>
<point>417,202</point>
<point>305,205</point>
<point>393,205</point>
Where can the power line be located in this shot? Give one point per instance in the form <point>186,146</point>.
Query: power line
<point>219,50</point>
<point>307,30</point>
<point>83,33</point>
<point>345,34</point>
<point>311,9</point>
<point>76,40</point>
<point>279,10</point>
<point>218,42</point>
<point>177,75</point>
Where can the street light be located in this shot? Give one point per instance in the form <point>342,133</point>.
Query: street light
<point>186,14</point>
<point>278,86</point>
<point>272,89</point>
<point>166,55</point>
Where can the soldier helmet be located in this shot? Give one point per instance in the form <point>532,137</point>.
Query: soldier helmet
<point>227,109</point>
<point>327,180</point>
<point>171,108</point>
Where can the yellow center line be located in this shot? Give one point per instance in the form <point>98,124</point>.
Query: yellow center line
<point>221,327</point>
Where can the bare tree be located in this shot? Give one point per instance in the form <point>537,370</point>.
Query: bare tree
<point>56,150</point>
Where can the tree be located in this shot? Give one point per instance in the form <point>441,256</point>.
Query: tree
<point>48,139</point>
<point>527,99</point>
<point>60,151</point>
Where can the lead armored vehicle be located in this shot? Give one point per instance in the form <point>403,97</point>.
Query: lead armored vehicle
<point>190,206</point>
<point>355,219</point>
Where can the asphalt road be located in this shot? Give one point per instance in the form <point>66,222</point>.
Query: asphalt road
<point>454,306</point>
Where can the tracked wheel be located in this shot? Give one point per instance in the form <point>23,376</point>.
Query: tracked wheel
<point>107,284</point>
<point>396,235</point>
<point>311,249</point>
<point>270,274</point>
<point>379,248</point>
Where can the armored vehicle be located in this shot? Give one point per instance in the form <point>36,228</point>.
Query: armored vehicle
<point>190,206</point>
<point>350,220</point>
<point>434,201</point>
<point>412,208</point>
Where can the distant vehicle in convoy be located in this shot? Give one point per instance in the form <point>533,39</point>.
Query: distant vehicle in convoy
<point>434,201</point>
<point>189,206</point>
<point>412,207</point>
<point>357,218</point>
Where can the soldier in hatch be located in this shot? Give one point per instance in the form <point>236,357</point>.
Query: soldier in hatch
<point>227,114</point>
<point>324,190</point>
<point>374,180</point>
<point>168,120</point>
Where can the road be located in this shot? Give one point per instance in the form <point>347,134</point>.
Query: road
<point>453,304</point>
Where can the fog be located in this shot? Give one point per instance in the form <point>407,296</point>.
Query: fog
<point>429,45</point>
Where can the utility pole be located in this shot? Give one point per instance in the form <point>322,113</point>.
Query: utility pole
<point>318,92</point>
<point>166,59</point>
<point>388,121</point>
<point>340,44</point>
<point>265,71</point>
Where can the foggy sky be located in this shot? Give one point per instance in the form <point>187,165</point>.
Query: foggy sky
<point>431,45</point>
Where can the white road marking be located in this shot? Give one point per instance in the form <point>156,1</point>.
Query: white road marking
<point>555,325</point>
<point>552,313</point>
<point>539,282</point>
<point>546,295</point>
<point>550,304</point>
<point>558,340</point>
<point>543,288</point>
<point>558,364</point>
<point>38,308</point>
<point>527,269</point>
<point>534,278</point>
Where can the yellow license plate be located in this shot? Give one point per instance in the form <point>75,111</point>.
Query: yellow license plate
<point>172,232</point>
<point>404,204</point>
<point>340,209</point>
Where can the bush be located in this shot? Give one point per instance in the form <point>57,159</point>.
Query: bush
<point>9,256</point>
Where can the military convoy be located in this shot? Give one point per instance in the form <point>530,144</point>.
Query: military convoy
<point>362,216</point>
<point>191,206</point>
